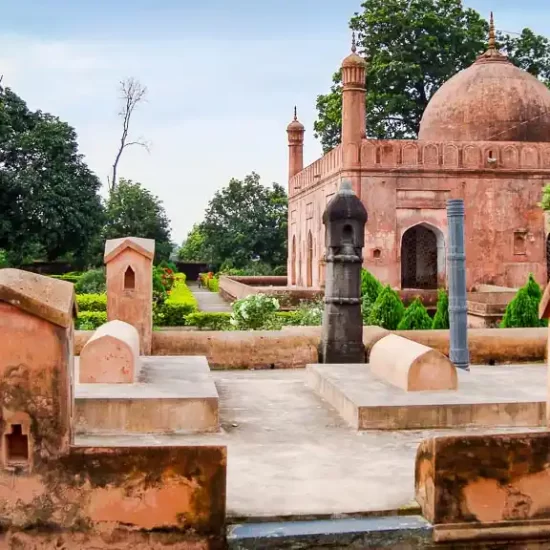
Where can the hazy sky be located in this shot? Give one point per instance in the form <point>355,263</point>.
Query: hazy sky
<point>223,77</point>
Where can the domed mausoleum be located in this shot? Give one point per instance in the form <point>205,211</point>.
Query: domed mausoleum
<point>484,138</point>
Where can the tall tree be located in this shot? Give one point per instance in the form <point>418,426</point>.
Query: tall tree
<point>132,93</point>
<point>49,199</point>
<point>194,248</point>
<point>247,221</point>
<point>132,210</point>
<point>412,48</point>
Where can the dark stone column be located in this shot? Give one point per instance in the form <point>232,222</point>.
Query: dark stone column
<point>342,337</point>
<point>458,310</point>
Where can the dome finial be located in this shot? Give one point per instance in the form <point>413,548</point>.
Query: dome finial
<point>353,45</point>
<point>492,35</point>
<point>295,113</point>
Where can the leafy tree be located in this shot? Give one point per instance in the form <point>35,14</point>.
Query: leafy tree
<point>194,247</point>
<point>412,49</point>
<point>49,199</point>
<point>132,210</point>
<point>246,222</point>
<point>388,309</point>
<point>416,317</point>
<point>370,285</point>
<point>441,318</point>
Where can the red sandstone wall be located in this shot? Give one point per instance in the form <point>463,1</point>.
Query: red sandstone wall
<point>407,182</point>
<point>295,347</point>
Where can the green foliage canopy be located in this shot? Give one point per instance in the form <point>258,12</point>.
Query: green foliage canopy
<point>412,49</point>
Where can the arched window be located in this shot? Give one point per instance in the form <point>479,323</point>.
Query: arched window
<point>129,279</point>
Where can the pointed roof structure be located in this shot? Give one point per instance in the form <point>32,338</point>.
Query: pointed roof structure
<point>113,247</point>
<point>45,297</point>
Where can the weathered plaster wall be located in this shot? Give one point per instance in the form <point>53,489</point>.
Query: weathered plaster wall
<point>102,492</point>
<point>35,370</point>
<point>295,347</point>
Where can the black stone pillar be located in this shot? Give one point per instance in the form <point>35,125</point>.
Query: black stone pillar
<point>342,336</point>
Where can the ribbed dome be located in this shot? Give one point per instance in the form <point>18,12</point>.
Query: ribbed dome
<point>492,100</point>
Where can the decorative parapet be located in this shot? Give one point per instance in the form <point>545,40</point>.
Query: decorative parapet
<point>327,165</point>
<point>481,155</point>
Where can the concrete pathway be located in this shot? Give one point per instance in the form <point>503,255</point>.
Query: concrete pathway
<point>208,301</point>
<point>291,454</point>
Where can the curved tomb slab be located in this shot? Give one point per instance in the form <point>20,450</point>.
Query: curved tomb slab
<point>411,366</point>
<point>111,355</point>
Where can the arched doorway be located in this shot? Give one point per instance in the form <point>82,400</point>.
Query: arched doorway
<point>422,257</point>
<point>293,262</point>
<point>309,273</point>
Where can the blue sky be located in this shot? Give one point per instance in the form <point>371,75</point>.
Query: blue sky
<point>222,78</point>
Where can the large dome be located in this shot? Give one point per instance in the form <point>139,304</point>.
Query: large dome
<point>492,100</point>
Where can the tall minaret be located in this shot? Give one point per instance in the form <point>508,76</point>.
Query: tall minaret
<point>295,131</point>
<point>354,70</point>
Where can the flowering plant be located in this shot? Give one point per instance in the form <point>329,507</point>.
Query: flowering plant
<point>254,312</point>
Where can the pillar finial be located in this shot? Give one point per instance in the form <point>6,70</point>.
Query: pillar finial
<point>492,34</point>
<point>353,44</point>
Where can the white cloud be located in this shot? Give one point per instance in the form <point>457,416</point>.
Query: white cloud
<point>215,111</point>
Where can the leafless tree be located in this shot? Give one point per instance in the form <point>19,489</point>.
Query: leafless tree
<point>132,94</point>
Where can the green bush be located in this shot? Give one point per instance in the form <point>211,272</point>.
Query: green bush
<point>91,302</point>
<point>90,320</point>
<point>209,320</point>
<point>255,312</point>
<point>388,309</point>
<point>441,318</point>
<point>370,285</point>
<point>416,317</point>
<point>72,277</point>
<point>523,310</point>
<point>169,265</point>
<point>308,314</point>
<point>280,270</point>
<point>3,258</point>
<point>366,307</point>
<point>91,282</point>
<point>213,284</point>
<point>180,303</point>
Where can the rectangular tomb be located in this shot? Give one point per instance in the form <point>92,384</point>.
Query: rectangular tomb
<point>504,396</point>
<point>172,395</point>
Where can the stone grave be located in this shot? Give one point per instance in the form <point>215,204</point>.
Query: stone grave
<point>121,391</point>
<point>55,494</point>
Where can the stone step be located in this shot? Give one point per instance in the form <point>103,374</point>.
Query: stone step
<point>369,533</point>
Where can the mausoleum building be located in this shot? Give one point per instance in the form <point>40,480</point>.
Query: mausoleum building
<point>484,138</point>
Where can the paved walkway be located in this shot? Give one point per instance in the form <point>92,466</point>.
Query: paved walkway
<point>208,301</point>
<point>291,454</point>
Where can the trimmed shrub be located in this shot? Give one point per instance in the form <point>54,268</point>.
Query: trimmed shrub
<point>416,317</point>
<point>523,310</point>
<point>213,284</point>
<point>255,312</point>
<point>176,307</point>
<point>366,307</point>
<point>73,277</point>
<point>441,317</point>
<point>370,285</point>
<point>91,302</point>
<point>388,309</point>
<point>209,320</point>
<point>90,320</point>
<point>91,282</point>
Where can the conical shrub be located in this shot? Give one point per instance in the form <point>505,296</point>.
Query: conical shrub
<point>388,309</point>
<point>441,318</point>
<point>416,317</point>
<point>370,285</point>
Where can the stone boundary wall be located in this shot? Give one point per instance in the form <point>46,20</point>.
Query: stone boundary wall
<point>295,347</point>
<point>236,288</point>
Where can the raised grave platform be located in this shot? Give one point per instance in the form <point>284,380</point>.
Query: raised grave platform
<point>172,395</point>
<point>491,396</point>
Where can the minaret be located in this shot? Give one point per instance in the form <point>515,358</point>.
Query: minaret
<point>354,70</point>
<point>295,131</point>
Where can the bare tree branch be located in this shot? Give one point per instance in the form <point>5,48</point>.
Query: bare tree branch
<point>132,93</point>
